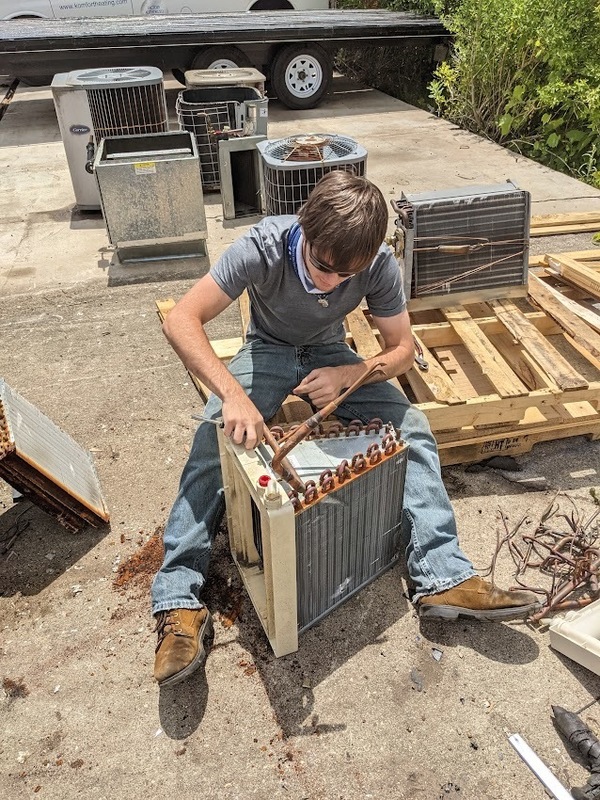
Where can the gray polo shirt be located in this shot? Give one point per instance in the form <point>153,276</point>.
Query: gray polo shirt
<point>281,310</point>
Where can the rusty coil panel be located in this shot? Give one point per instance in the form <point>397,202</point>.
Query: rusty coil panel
<point>345,471</point>
<point>7,444</point>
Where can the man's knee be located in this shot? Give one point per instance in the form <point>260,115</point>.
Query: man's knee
<point>415,423</point>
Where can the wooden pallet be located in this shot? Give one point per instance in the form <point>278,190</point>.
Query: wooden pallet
<point>559,224</point>
<point>503,374</point>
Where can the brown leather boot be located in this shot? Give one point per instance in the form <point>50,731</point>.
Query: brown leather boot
<point>479,599</point>
<point>180,648</point>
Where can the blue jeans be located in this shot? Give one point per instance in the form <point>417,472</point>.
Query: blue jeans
<point>268,374</point>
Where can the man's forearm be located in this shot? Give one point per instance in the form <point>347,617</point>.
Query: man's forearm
<point>190,342</point>
<point>394,361</point>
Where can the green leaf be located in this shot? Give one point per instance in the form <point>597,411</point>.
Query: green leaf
<point>518,92</point>
<point>575,136</point>
<point>546,118</point>
<point>553,140</point>
<point>504,123</point>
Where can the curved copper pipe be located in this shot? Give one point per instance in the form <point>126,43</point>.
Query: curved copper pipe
<point>282,450</point>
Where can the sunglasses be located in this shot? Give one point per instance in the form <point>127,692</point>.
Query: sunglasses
<point>327,268</point>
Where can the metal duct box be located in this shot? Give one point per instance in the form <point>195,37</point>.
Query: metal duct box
<point>241,177</point>
<point>45,465</point>
<point>300,557</point>
<point>151,195</point>
<point>473,241</point>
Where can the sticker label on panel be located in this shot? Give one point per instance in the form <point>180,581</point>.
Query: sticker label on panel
<point>145,167</point>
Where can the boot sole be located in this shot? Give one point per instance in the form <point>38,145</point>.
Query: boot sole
<point>454,612</point>
<point>205,632</point>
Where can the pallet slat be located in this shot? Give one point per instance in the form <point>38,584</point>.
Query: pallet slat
<point>572,270</point>
<point>163,308</point>
<point>491,362</point>
<point>547,356</point>
<point>433,384</point>
<point>586,314</point>
<point>588,339</point>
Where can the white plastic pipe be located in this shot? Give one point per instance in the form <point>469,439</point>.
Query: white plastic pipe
<point>539,769</point>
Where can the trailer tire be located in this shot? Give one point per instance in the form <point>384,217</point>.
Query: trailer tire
<point>224,57</point>
<point>301,74</point>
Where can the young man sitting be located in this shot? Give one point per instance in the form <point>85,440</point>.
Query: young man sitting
<point>304,275</point>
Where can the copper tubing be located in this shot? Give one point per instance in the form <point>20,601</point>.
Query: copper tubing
<point>564,592</point>
<point>285,469</point>
<point>303,430</point>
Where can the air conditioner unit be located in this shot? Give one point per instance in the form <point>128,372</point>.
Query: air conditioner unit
<point>293,166</point>
<point>95,104</point>
<point>301,555</point>
<point>471,240</point>
<point>216,113</point>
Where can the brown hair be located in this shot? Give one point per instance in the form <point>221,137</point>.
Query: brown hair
<point>345,217</point>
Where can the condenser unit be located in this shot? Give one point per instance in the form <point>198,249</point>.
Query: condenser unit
<point>215,114</point>
<point>473,241</point>
<point>302,555</point>
<point>293,166</point>
<point>96,104</point>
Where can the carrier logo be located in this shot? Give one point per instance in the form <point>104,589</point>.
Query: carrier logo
<point>79,130</point>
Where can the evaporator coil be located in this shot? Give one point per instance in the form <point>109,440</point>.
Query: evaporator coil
<point>46,465</point>
<point>302,555</point>
<point>293,166</point>
<point>471,239</point>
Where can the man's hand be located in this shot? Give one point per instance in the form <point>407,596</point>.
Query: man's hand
<point>325,384</point>
<point>243,422</point>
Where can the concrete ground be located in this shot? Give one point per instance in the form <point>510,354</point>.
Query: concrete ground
<point>375,704</point>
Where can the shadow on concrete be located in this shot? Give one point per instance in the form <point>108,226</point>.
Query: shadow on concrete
<point>42,549</point>
<point>86,220</point>
<point>152,271</point>
<point>549,466</point>
<point>290,681</point>
<point>29,120</point>
<point>500,642</point>
<point>181,708</point>
<point>589,681</point>
<point>241,222</point>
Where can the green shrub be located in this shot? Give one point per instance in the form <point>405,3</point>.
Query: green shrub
<point>526,73</point>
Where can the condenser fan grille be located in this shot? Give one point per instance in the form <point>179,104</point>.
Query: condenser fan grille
<point>311,148</point>
<point>128,110</point>
<point>104,77</point>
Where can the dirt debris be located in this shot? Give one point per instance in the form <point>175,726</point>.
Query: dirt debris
<point>135,575</point>
<point>14,689</point>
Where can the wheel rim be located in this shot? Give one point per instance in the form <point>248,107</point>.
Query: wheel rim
<point>222,63</point>
<point>303,76</point>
